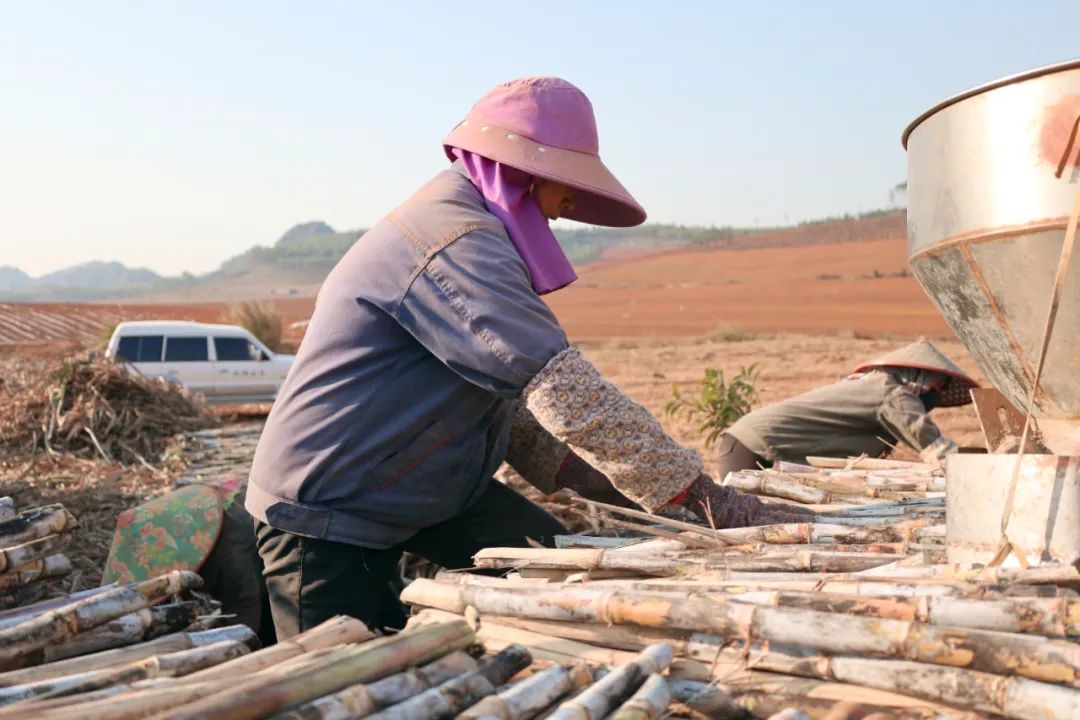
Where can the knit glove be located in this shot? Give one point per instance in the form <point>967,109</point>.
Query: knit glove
<point>731,508</point>
<point>936,451</point>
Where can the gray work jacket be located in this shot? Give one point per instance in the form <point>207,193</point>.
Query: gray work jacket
<point>397,409</point>
<point>845,419</point>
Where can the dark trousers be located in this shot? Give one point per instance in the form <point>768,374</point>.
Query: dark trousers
<point>310,581</point>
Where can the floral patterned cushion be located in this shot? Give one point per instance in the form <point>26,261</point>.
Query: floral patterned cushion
<point>176,531</point>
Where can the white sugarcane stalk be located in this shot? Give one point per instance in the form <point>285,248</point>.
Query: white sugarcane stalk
<point>650,700</point>
<point>169,665</point>
<point>35,524</point>
<point>705,698</point>
<point>52,566</point>
<point>335,631</point>
<point>261,696</point>
<point>14,616</point>
<point>444,701</point>
<point>790,714</point>
<point>142,698</point>
<point>601,697</point>
<point>16,556</point>
<point>124,630</point>
<point>525,699</point>
<point>19,641</point>
<point>125,655</point>
<point>361,700</point>
<point>454,696</point>
<point>1030,656</point>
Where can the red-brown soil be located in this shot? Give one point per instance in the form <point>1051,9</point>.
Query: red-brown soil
<point>683,293</point>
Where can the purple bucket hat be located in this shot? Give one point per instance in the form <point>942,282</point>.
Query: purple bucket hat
<point>545,126</point>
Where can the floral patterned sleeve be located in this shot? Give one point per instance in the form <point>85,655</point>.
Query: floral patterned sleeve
<point>611,432</point>
<point>535,453</point>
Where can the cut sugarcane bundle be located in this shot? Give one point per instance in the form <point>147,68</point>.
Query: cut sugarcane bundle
<point>182,662</point>
<point>459,693</point>
<point>261,697</point>
<point>524,700</point>
<point>787,558</point>
<point>35,524</point>
<point>648,703</point>
<point>609,692</point>
<point>361,700</point>
<point>122,656</point>
<point>20,644</point>
<point>51,566</point>
<point>1029,656</point>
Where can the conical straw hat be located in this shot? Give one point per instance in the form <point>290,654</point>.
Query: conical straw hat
<point>922,355</point>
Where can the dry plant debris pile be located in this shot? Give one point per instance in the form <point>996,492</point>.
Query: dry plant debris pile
<point>98,407</point>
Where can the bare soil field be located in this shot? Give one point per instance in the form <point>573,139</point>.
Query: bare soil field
<point>859,288</point>
<point>646,369</point>
<point>852,288</point>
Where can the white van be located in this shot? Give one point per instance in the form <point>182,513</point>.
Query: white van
<point>226,363</point>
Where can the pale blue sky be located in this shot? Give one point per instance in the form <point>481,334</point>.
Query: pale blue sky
<point>173,135</point>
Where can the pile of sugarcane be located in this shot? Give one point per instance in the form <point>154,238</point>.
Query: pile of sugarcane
<point>435,668</point>
<point>97,407</point>
<point>858,605</point>
<point>31,544</point>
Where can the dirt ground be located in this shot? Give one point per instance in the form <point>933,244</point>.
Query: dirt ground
<point>644,368</point>
<point>790,364</point>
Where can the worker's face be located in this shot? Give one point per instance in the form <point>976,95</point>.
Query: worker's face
<point>554,199</point>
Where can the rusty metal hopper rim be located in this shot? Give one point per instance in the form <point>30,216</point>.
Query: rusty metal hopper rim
<point>979,89</point>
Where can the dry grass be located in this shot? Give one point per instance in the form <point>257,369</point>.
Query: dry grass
<point>260,320</point>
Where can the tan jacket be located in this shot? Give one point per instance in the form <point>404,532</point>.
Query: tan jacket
<point>846,419</point>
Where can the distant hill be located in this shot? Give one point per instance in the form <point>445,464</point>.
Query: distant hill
<point>14,279</point>
<point>78,282</point>
<point>299,260</point>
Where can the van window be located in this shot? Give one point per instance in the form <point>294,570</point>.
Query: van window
<point>140,348</point>
<point>234,348</point>
<point>186,349</point>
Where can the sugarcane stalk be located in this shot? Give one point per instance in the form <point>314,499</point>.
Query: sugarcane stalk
<point>525,699</point>
<point>35,524</point>
<point>1030,656</point>
<point>16,556</point>
<point>19,644</point>
<point>125,655</point>
<point>169,665</point>
<point>817,533</point>
<point>867,463</point>
<point>1013,697</point>
<point>790,714</point>
<point>456,695</point>
<point>16,615</point>
<point>578,559</point>
<point>143,698</point>
<point>599,699</point>
<point>127,629</point>
<point>650,700</point>
<point>759,483</point>
<point>335,631</point>
<point>594,559</point>
<point>649,517</point>
<point>706,699</point>
<point>372,660</point>
<point>361,700</point>
<point>52,566</point>
<point>124,630</point>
